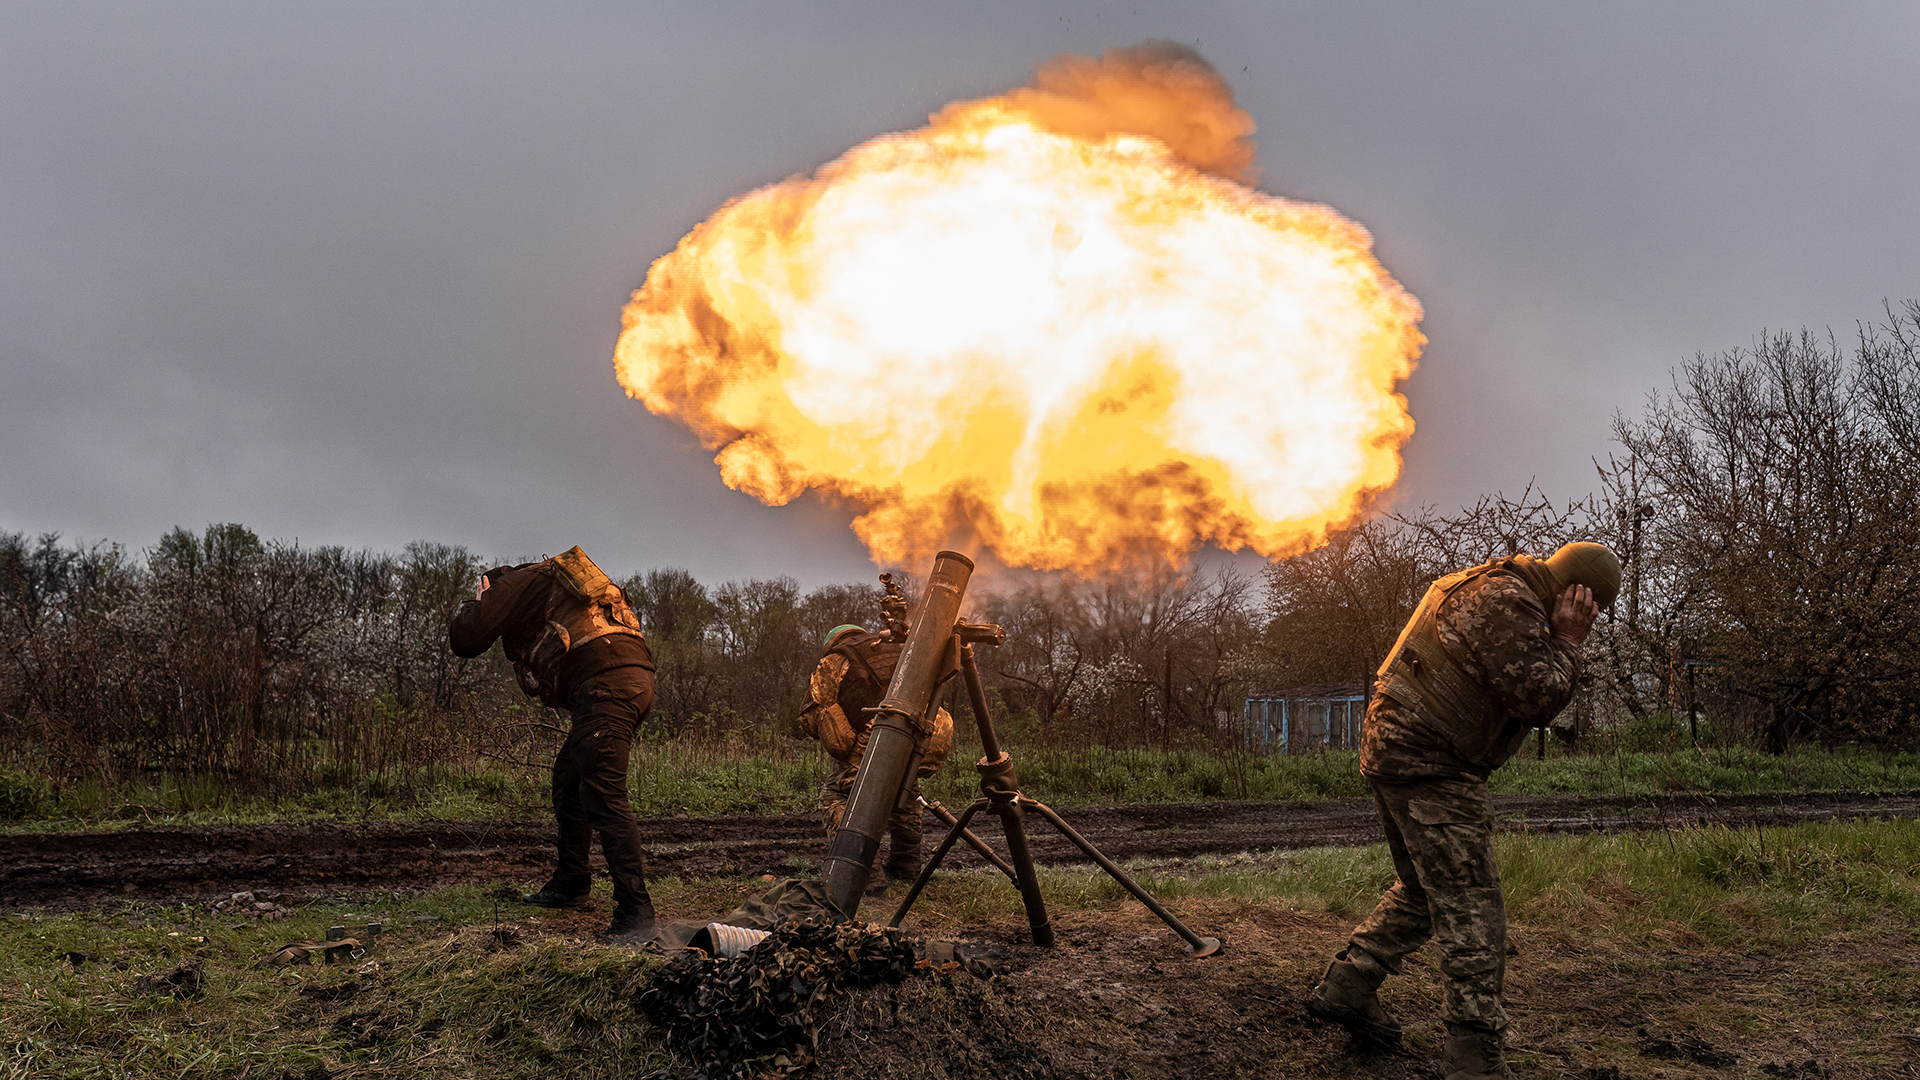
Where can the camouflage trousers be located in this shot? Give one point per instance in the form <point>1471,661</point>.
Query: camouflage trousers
<point>905,828</point>
<point>1441,835</point>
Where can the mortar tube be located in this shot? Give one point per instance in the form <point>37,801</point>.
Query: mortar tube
<point>893,739</point>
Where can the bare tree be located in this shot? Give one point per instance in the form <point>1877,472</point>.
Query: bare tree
<point>1786,524</point>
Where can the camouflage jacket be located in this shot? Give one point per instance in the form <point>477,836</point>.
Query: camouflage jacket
<point>839,695</point>
<point>1495,627</point>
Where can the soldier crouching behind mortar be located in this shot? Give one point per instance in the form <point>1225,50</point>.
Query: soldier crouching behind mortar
<point>850,679</point>
<point>1491,652</point>
<point>576,645</point>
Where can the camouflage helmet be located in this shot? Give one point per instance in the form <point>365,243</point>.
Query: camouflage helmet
<point>841,631</point>
<point>1589,564</point>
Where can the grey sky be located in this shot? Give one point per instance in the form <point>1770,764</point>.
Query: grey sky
<point>352,274</point>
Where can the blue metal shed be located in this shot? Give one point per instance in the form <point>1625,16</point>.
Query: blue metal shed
<point>1302,719</point>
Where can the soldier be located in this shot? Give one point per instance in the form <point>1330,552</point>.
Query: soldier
<point>851,678</point>
<point>1490,653</point>
<point>576,645</point>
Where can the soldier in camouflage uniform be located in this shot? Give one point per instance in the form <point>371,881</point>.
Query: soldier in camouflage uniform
<point>1490,653</point>
<point>850,679</point>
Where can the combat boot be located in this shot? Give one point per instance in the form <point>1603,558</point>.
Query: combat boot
<point>1474,1054</point>
<point>555,895</point>
<point>903,855</point>
<point>632,925</point>
<point>1346,996</point>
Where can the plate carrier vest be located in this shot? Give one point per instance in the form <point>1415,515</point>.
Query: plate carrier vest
<point>583,604</point>
<point>1421,674</point>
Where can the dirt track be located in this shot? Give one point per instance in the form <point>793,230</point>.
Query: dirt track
<point>78,870</point>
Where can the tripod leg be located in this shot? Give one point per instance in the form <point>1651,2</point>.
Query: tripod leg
<point>973,839</point>
<point>939,854</point>
<point>997,779</point>
<point>1025,878</point>
<point>1197,946</point>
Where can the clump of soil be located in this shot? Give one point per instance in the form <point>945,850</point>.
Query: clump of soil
<point>253,907</point>
<point>183,981</point>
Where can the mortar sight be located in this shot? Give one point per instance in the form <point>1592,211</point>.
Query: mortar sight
<point>893,608</point>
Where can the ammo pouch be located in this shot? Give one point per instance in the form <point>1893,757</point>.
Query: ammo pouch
<point>584,604</point>
<point>1420,674</point>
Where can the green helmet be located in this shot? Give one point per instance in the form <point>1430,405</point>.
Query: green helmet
<point>841,631</point>
<point>1592,565</point>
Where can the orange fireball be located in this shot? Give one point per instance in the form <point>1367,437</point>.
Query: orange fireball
<point>1052,324</point>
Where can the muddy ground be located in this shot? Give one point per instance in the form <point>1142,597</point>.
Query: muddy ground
<point>70,871</point>
<point>1116,997</point>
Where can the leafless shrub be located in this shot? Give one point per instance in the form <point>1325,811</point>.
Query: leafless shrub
<point>263,665</point>
<point>1782,518</point>
<point>1157,658</point>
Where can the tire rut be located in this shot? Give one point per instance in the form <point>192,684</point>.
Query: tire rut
<point>91,869</point>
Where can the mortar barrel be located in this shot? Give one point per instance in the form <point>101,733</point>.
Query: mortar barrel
<point>893,738</point>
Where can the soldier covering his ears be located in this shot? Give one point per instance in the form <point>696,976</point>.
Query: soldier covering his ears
<point>1490,653</point>
<point>576,645</point>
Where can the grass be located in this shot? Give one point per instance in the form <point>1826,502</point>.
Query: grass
<point>1717,770</point>
<point>779,775</point>
<point>441,996</point>
<point>438,968</point>
<point>1774,887</point>
<point>1099,775</point>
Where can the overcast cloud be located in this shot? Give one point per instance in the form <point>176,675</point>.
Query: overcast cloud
<point>352,274</point>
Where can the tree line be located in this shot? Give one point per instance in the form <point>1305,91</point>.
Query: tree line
<point>1766,506</point>
<point>274,665</point>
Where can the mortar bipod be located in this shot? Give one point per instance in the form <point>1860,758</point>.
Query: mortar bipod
<point>1000,792</point>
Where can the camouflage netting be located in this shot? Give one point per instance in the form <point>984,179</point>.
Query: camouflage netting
<point>761,1011</point>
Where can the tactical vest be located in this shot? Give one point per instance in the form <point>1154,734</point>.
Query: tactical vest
<point>582,605</point>
<point>1421,674</point>
<point>870,662</point>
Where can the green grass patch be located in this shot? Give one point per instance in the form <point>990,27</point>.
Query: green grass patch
<point>1099,775</point>
<point>438,995</point>
<point>442,995</point>
<point>776,775</point>
<point>1772,887</point>
<point>1718,770</point>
